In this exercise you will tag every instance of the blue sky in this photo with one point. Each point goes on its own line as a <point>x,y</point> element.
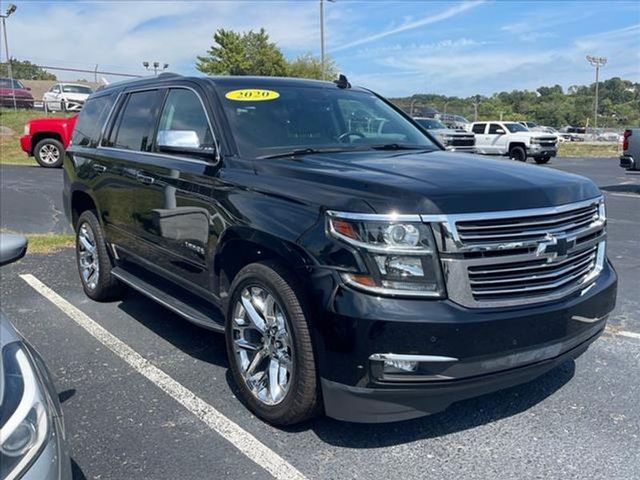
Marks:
<point>396,48</point>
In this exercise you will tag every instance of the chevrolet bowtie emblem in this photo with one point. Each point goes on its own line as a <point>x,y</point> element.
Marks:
<point>555,247</point>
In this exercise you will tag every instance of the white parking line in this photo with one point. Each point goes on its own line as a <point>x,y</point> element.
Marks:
<point>629,334</point>
<point>240,438</point>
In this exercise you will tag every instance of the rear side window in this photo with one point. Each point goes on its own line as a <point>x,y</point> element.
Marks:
<point>478,128</point>
<point>135,123</point>
<point>493,128</point>
<point>183,112</point>
<point>89,124</point>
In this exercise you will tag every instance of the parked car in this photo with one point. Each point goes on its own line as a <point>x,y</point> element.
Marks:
<point>532,126</point>
<point>559,135</point>
<point>32,435</point>
<point>514,140</point>
<point>453,140</point>
<point>363,272</point>
<point>66,97</point>
<point>455,122</point>
<point>46,139</point>
<point>14,88</point>
<point>630,158</point>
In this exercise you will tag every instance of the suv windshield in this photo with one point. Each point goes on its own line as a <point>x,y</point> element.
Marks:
<point>77,89</point>
<point>291,118</point>
<point>430,123</point>
<point>516,127</point>
<point>6,83</point>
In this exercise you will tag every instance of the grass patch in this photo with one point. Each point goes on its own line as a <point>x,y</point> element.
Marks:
<point>587,149</point>
<point>10,151</point>
<point>48,242</point>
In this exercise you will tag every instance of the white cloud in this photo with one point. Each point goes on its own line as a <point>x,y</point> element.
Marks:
<point>410,25</point>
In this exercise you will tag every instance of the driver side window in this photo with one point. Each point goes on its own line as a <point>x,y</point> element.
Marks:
<point>183,114</point>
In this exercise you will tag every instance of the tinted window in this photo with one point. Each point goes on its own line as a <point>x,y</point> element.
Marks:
<point>430,123</point>
<point>515,127</point>
<point>478,128</point>
<point>7,83</point>
<point>136,122</point>
<point>494,127</point>
<point>90,121</point>
<point>293,118</point>
<point>183,111</point>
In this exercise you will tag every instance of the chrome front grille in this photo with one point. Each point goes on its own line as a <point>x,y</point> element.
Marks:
<point>521,257</point>
<point>462,141</point>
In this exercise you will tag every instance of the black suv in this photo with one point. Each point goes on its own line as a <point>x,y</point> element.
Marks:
<point>354,266</point>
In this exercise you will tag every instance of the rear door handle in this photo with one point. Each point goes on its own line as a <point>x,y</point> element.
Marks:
<point>146,179</point>
<point>99,168</point>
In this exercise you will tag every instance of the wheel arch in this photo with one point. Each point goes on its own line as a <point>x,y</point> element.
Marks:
<point>38,137</point>
<point>241,246</point>
<point>81,201</point>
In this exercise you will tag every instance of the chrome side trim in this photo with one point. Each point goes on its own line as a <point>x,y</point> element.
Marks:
<point>375,217</point>
<point>410,358</point>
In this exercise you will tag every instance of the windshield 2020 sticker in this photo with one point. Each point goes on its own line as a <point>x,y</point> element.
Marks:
<point>251,95</point>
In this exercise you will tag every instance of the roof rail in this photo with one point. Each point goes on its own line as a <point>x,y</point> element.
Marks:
<point>169,74</point>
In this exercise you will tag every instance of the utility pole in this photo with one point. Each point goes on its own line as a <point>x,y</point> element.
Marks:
<point>476,100</point>
<point>322,36</point>
<point>155,66</point>
<point>10,9</point>
<point>596,62</point>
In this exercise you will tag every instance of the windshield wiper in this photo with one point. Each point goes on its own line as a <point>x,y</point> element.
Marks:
<point>307,151</point>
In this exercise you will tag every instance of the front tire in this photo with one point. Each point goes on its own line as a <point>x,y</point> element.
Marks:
<point>518,153</point>
<point>49,153</point>
<point>94,263</point>
<point>269,345</point>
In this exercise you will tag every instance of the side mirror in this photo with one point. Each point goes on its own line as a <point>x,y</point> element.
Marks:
<point>183,141</point>
<point>12,248</point>
<point>28,88</point>
<point>500,131</point>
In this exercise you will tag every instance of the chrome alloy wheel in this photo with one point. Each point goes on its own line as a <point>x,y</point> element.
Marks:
<point>262,345</point>
<point>49,154</point>
<point>88,256</point>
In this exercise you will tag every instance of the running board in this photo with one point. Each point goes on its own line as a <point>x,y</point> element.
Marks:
<point>196,311</point>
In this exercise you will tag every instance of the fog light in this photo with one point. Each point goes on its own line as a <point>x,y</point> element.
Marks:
<point>398,366</point>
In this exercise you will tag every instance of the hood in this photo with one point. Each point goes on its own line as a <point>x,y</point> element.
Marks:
<point>52,122</point>
<point>435,182</point>
<point>80,97</point>
<point>19,92</point>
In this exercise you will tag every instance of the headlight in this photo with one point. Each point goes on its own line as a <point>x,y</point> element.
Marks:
<point>23,417</point>
<point>400,255</point>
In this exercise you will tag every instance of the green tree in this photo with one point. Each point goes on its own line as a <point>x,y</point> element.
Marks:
<point>310,66</point>
<point>25,70</point>
<point>247,53</point>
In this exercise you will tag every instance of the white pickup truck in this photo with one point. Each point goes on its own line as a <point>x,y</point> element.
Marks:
<point>514,140</point>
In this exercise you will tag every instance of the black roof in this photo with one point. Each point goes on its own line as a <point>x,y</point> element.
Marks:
<point>227,81</point>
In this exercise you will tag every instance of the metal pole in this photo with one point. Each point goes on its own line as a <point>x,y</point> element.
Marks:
<point>595,113</point>
<point>10,71</point>
<point>322,38</point>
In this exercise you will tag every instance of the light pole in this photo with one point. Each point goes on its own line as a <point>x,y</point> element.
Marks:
<point>155,66</point>
<point>596,62</point>
<point>10,9</point>
<point>322,36</point>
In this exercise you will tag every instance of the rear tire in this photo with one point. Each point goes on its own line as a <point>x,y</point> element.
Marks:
<point>542,160</point>
<point>518,153</point>
<point>271,360</point>
<point>49,153</point>
<point>93,260</point>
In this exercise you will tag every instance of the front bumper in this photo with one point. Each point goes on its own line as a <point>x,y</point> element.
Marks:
<point>628,163</point>
<point>490,349</point>
<point>541,151</point>
<point>25,144</point>
<point>21,102</point>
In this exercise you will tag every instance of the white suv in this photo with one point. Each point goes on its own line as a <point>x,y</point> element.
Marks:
<point>514,140</point>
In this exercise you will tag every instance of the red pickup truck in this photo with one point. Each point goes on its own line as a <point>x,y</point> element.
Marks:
<point>47,138</point>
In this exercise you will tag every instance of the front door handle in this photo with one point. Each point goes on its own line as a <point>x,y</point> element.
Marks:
<point>99,168</point>
<point>146,179</point>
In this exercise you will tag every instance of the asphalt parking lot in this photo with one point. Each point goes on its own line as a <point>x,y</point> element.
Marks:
<point>127,421</point>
